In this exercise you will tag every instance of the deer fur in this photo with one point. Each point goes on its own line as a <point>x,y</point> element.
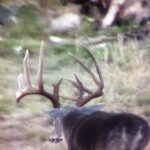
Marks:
<point>89,129</point>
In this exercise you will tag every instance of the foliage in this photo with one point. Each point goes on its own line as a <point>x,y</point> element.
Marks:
<point>129,24</point>
<point>29,23</point>
<point>86,29</point>
<point>143,100</point>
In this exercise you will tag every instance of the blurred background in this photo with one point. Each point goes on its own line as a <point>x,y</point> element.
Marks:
<point>122,51</point>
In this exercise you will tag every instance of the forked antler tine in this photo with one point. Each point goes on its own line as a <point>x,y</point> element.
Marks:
<point>40,68</point>
<point>89,71</point>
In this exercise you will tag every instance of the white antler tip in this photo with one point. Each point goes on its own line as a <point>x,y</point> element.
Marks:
<point>26,57</point>
<point>20,84</point>
<point>27,53</point>
<point>42,43</point>
<point>18,94</point>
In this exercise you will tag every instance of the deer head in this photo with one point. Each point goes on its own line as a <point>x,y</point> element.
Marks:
<point>59,114</point>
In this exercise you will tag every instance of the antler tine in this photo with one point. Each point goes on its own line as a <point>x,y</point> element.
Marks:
<point>26,74</point>
<point>89,71</point>
<point>85,89</point>
<point>73,83</point>
<point>101,82</point>
<point>77,86</point>
<point>40,68</point>
<point>25,86</point>
<point>80,87</point>
<point>56,89</point>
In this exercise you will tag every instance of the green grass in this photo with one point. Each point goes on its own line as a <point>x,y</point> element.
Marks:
<point>86,29</point>
<point>29,24</point>
<point>36,132</point>
<point>143,100</point>
<point>127,25</point>
<point>7,105</point>
<point>14,47</point>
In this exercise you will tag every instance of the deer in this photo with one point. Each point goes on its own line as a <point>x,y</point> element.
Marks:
<point>85,127</point>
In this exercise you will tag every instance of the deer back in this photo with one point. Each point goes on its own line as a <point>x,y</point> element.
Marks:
<point>108,131</point>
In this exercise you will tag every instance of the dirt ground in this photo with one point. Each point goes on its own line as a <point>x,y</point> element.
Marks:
<point>18,132</point>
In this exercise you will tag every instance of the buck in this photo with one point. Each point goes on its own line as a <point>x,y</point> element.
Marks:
<point>86,127</point>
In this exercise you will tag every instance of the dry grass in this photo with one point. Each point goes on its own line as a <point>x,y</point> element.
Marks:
<point>127,77</point>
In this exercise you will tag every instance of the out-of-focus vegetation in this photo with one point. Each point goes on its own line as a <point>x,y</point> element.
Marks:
<point>124,65</point>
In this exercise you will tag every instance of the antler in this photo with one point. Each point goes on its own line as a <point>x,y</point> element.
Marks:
<point>85,94</point>
<point>26,88</point>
